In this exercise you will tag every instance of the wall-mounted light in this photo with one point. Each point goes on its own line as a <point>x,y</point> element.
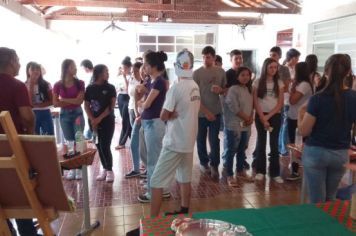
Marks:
<point>102,9</point>
<point>238,14</point>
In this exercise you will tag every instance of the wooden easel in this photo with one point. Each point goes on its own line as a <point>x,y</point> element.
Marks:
<point>28,168</point>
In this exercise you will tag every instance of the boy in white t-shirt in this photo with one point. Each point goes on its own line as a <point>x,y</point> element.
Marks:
<point>180,110</point>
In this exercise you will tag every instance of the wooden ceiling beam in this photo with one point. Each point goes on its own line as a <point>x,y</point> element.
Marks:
<point>151,20</point>
<point>158,7</point>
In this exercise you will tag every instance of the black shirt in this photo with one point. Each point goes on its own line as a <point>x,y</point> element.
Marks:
<point>231,78</point>
<point>99,97</point>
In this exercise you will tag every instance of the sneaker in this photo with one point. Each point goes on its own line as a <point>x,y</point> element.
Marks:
<point>118,147</point>
<point>132,174</point>
<point>259,177</point>
<point>110,176</point>
<point>144,198</point>
<point>204,169</point>
<point>143,175</point>
<point>70,175</point>
<point>224,173</point>
<point>78,174</point>
<point>102,175</point>
<point>243,176</point>
<point>294,176</point>
<point>166,195</point>
<point>231,181</point>
<point>214,172</point>
<point>246,165</point>
<point>278,180</point>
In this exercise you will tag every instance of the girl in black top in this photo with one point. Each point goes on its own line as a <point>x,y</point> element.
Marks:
<point>100,98</point>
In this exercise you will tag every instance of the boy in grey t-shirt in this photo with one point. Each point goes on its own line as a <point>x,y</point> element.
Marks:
<point>211,81</point>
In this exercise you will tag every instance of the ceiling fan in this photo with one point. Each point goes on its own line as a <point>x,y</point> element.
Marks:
<point>112,25</point>
<point>242,30</point>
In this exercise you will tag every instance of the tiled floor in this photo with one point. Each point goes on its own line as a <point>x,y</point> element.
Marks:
<point>117,208</point>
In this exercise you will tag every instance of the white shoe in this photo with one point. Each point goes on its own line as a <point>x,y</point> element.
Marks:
<point>70,175</point>
<point>110,176</point>
<point>102,175</point>
<point>259,177</point>
<point>278,179</point>
<point>78,174</point>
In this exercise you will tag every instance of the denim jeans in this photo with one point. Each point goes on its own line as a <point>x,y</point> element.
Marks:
<point>283,134</point>
<point>44,122</point>
<point>275,122</point>
<point>135,146</point>
<point>154,130</point>
<point>67,119</point>
<point>231,142</point>
<point>323,170</point>
<point>213,126</point>
<point>241,150</point>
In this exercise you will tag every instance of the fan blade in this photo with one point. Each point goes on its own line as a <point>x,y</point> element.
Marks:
<point>106,28</point>
<point>119,28</point>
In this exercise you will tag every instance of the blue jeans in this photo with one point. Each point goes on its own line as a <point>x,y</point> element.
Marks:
<point>135,146</point>
<point>67,119</point>
<point>283,134</point>
<point>231,141</point>
<point>241,150</point>
<point>153,131</point>
<point>213,126</point>
<point>44,122</point>
<point>323,170</point>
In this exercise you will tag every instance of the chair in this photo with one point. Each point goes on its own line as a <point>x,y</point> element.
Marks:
<point>30,178</point>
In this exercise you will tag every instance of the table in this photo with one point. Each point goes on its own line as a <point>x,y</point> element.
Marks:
<point>295,153</point>
<point>83,160</point>
<point>331,218</point>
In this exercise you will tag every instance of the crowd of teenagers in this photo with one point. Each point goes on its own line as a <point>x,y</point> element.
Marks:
<point>164,121</point>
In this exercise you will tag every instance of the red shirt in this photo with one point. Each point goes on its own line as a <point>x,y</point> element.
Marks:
<point>13,95</point>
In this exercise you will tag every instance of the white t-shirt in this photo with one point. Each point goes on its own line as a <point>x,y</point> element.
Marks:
<point>121,85</point>
<point>37,97</point>
<point>269,101</point>
<point>305,89</point>
<point>131,89</point>
<point>181,132</point>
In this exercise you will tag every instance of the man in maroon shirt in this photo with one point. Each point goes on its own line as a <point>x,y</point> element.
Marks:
<point>14,98</point>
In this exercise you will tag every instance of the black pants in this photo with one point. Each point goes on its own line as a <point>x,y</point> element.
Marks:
<point>123,102</point>
<point>292,126</point>
<point>25,227</point>
<point>105,133</point>
<point>275,122</point>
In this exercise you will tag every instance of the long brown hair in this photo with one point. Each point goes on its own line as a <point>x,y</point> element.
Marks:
<point>337,67</point>
<point>262,85</point>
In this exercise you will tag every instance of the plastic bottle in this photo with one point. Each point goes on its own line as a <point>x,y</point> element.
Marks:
<point>298,139</point>
<point>79,137</point>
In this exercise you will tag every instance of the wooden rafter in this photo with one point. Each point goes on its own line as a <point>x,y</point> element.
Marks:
<point>194,11</point>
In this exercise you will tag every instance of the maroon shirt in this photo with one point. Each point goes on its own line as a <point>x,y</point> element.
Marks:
<point>13,95</point>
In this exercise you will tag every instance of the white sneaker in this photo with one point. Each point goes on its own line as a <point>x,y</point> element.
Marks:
<point>102,175</point>
<point>70,175</point>
<point>110,176</point>
<point>259,177</point>
<point>78,174</point>
<point>278,179</point>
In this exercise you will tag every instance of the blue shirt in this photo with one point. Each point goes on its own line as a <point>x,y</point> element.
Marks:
<point>329,131</point>
<point>154,110</point>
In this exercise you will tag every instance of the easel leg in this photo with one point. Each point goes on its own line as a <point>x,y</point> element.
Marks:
<point>4,227</point>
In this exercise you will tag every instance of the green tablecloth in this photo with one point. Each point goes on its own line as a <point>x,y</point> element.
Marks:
<point>282,220</point>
